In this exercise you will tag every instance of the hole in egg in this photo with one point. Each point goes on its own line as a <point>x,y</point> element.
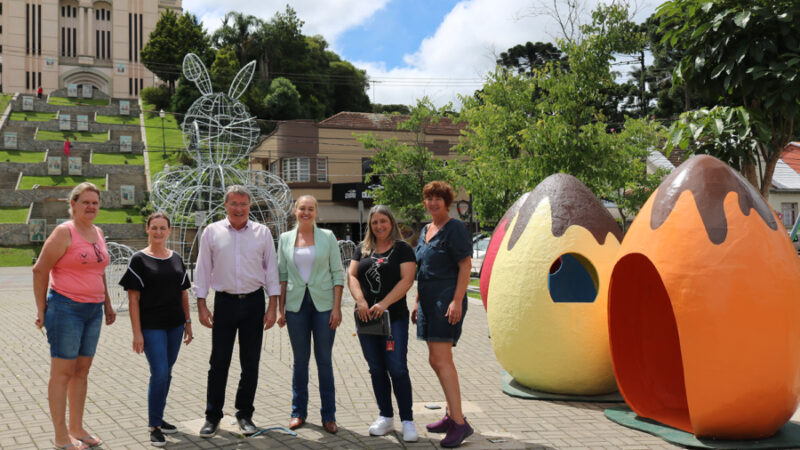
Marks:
<point>572,279</point>
<point>645,346</point>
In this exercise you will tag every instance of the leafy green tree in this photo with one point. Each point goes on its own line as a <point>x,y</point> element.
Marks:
<point>730,133</point>
<point>499,162</point>
<point>349,87</point>
<point>225,67</point>
<point>741,54</point>
<point>172,38</point>
<point>283,100</point>
<point>325,82</point>
<point>159,55</point>
<point>378,108</point>
<point>524,58</point>
<point>242,33</point>
<point>521,129</point>
<point>404,169</point>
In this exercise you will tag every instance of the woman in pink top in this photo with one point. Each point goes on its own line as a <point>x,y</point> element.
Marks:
<point>72,263</point>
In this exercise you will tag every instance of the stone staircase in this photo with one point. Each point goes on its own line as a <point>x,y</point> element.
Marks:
<point>50,203</point>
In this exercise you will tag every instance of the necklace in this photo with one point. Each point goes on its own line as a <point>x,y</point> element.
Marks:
<point>381,259</point>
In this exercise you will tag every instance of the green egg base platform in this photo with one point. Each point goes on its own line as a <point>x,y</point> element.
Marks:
<point>787,436</point>
<point>514,389</point>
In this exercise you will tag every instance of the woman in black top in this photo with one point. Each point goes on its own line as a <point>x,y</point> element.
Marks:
<point>156,281</point>
<point>380,274</point>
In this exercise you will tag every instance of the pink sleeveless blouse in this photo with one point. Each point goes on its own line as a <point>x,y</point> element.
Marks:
<point>78,274</point>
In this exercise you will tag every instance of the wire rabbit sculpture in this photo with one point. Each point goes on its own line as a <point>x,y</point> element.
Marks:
<point>218,133</point>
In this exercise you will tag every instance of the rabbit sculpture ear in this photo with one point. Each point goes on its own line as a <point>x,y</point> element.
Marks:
<point>195,70</point>
<point>242,80</point>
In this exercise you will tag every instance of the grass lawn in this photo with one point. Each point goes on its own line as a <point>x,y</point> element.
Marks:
<point>18,256</point>
<point>13,214</point>
<point>173,139</point>
<point>474,282</point>
<point>32,116</point>
<point>60,180</point>
<point>4,100</point>
<point>67,101</point>
<point>119,215</point>
<point>75,136</point>
<point>117,158</point>
<point>119,120</point>
<point>20,156</point>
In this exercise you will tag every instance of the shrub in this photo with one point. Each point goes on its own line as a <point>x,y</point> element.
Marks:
<point>158,96</point>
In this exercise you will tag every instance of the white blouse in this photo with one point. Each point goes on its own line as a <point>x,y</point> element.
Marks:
<point>304,261</point>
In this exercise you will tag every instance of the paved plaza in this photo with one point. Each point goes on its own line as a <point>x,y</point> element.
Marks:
<point>116,407</point>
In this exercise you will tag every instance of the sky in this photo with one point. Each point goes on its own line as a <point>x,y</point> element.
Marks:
<point>414,48</point>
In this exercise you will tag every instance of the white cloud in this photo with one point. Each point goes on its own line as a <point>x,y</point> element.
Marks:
<point>453,60</point>
<point>463,50</point>
<point>329,18</point>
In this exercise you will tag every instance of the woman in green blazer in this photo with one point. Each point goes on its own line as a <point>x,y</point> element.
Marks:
<point>312,279</point>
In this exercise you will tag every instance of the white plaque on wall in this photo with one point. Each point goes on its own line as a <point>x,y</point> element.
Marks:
<point>54,165</point>
<point>83,123</point>
<point>127,194</point>
<point>37,229</point>
<point>64,121</point>
<point>10,139</point>
<point>27,103</point>
<point>72,90</point>
<point>124,107</point>
<point>125,144</point>
<point>75,165</point>
<point>87,91</point>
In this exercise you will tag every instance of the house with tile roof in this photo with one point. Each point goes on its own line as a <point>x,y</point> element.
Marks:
<point>326,160</point>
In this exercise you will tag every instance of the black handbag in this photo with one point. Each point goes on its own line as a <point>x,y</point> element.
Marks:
<point>375,327</point>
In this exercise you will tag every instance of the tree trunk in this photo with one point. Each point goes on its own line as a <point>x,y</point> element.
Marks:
<point>769,171</point>
<point>749,172</point>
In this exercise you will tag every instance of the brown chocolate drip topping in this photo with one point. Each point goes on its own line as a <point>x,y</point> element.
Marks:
<point>571,203</point>
<point>709,180</point>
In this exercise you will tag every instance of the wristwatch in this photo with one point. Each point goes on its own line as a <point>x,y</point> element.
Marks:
<point>188,320</point>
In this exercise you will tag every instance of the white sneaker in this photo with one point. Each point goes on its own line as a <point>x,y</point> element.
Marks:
<point>381,426</point>
<point>410,431</point>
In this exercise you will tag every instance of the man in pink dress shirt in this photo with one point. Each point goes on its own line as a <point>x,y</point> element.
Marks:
<point>237,260</point>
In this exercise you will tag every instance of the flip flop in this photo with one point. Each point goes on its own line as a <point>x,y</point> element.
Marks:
<point>88,437</point>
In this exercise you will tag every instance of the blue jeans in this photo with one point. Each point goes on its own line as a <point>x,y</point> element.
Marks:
<point>161,348</point>
<point>384,364</point>
<point>302,325</point>
<point>73,328</point>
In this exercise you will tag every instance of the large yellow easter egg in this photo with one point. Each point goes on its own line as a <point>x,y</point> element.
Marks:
<point>547,289</point>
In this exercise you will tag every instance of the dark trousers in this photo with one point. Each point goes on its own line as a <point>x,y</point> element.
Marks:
<point>384,364</point>
<point>232,315</point>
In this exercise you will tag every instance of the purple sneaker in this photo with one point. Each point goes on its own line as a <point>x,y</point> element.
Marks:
<point>440,426</point>
<point>456,434</point>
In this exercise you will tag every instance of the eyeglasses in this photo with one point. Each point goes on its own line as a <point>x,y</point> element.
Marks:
<point>97,252</point>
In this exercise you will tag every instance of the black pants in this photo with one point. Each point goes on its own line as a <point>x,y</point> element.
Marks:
<point>232,315</point>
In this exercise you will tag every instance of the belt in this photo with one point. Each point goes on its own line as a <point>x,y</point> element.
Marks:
<point>240,296</point>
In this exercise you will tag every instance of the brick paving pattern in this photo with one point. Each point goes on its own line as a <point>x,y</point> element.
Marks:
<point>116,406</point>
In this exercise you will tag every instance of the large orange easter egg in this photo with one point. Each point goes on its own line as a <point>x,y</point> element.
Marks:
<point>704,305</point>
<point>545,276</point>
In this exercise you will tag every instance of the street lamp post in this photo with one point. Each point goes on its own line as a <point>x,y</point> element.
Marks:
<point>163,139</point>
